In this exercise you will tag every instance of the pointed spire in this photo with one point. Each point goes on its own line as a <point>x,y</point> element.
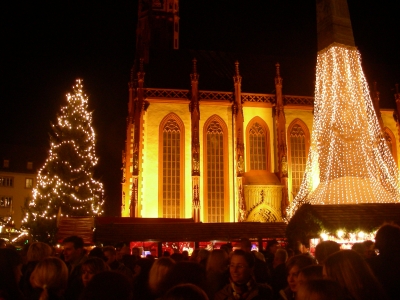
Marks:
<point>278,78</point>
<point>194,76</point>
<point>237,68</point>
<point>194,65</point>
<point>333,23</point>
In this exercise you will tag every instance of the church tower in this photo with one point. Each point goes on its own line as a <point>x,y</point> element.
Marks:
<point>158,27</point>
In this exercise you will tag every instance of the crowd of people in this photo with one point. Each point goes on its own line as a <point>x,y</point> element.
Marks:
<point>368,271</point>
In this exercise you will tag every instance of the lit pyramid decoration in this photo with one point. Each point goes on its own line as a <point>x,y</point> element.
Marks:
<point>349,160</point>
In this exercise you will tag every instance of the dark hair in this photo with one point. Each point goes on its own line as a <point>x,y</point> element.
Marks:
<point>312,272</point>
<point>300,260</point>
<point>324,249</point>
<point>76,240</point>
<point>271,243</point>
<point>354,275</point>
<point>108,285</point>
<point>185,291</point>
<point>387,239</point>
<point>96,264</point>
<point>248,256</point>
<point>323,289</point>
<point>9,261</point>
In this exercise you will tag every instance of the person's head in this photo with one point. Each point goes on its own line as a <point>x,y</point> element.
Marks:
<point>91,267</point>
<point>50,275</point>
<point>324,249</point>
<point>320,289</point>
<point>360,248</point>
<point>280,257</point>
<point>110,253</point>
<point>124,250</point>
<point>353,274</point>
<point>293,267</point>
<point>202,256</point>
<point>308,273</point>
<point>73,249</point>
<point>227,248</point>
<point>3,243</point>
<point>38,251</point>
<point>185,291</point>
<point>158,271</point>
<point>245,244</point>
<point>10,268</point>
<point>136,251</point>
<point>97,252</point>
<point>108,285</point>
<point>185,272</point>
<point>241,266</point>
<point>217,261</point>
<point>272,246</point>
<point>387,239</point>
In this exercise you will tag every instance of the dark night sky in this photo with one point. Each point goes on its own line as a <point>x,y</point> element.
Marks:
<point>48,44</point>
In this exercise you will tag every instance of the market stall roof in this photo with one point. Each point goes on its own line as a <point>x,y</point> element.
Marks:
<point>122,230</point>
<point>363,216</point>
<point>310,220</point>
<point>80,226</point>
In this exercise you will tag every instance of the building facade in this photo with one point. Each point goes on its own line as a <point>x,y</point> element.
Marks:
<point>214,155</point>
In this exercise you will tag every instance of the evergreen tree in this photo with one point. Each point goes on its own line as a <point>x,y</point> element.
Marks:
<point>65,183</point>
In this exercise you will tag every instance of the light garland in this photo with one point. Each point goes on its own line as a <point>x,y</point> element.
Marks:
<point>349,160</point>
<point>66,179</point>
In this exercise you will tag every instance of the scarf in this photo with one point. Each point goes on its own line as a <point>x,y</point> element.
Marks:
<point>241,291</point>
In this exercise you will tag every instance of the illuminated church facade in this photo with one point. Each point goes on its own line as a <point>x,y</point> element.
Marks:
<point>194,150</point>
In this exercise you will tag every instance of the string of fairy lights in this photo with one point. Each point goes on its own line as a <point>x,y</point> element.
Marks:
<point>66,178</point>
<point>349,160</point>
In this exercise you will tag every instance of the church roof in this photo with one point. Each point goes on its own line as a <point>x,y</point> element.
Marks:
<point>171,69</point>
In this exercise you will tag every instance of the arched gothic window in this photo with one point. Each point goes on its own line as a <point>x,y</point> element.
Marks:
<point>257,145</point>
<point>171,163</point>
<point>216,208</point>
<point>299,146</point>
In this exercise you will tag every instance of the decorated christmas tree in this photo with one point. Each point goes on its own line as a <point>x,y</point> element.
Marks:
<point>65,184</point>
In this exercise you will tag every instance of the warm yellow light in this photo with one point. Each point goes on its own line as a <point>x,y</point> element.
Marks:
<point>349,160</point>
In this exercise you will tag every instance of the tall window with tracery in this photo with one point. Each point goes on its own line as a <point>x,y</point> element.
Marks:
<point>257,147</point>
<point>171,185</point>
<point>298,156</point>
<point>215,172</point>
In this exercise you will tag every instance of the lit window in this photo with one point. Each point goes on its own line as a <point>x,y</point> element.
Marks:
<point>171,176</point>
<point>28,183</point>
<point>6,163</point>
<point>5,201</point>
<point>257,145</point>
<point>7,181</point>
<point>215,172</point>
<point>298,156</point>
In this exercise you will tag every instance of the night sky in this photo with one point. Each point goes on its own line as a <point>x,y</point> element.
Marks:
<point>47,45</point>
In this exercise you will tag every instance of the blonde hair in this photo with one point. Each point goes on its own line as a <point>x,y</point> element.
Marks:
<point>158,271</point>
<point>51,275</point>
<point>38,251</point>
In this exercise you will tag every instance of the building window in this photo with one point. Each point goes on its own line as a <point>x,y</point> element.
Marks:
<point>29,165</point>
<point>6,163</point>
<point>5,201</point>
<point>7,181</point>
<point>257,139</point>
<point>28,183</point>
<point>215,166</point>
<point>171,162</point>
<point>298,156</point>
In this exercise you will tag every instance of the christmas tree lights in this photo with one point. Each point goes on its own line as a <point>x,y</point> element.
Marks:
<point>65,183</point>
<point>349,160</point>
